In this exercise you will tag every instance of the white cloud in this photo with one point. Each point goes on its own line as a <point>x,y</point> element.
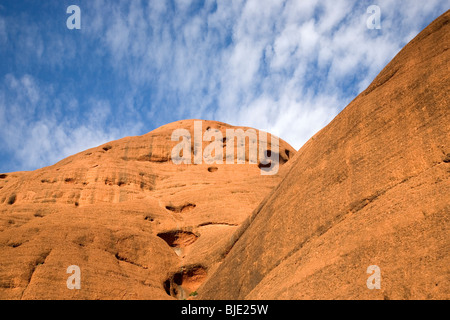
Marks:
<point>32,127</point>
<point>274,65</point>
<point>286,67</point>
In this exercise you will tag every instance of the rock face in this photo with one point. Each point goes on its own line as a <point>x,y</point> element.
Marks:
<point>371,188</point>
<point>137,225</point>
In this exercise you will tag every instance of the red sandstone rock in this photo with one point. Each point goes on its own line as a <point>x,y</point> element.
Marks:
<point>137,225</point>
<point>371,188</point>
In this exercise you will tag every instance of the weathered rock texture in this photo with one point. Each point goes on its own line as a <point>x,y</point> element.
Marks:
<point>137,225</point>
<point>371,188</point>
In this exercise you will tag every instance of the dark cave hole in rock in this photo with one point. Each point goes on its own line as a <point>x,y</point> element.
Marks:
<point>178,238</point>
<point>182,208</point>
<point>181,284</point>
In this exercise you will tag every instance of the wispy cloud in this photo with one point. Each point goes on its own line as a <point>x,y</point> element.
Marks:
<point>287,67</point>
<point>38,130</point>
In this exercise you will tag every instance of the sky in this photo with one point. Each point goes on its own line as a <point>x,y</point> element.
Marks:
<point>286,67</point>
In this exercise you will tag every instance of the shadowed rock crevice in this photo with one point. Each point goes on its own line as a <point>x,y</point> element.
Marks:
<point>153,158</point>
<point>181,284</point>
<point>12,199</point>
<point>182,208</point>
<point>178,238</point>
<point>125,259</point>
<point>15,244</point>
<point>40,260</point>
<point>217,224</point>
<point>447,158</point>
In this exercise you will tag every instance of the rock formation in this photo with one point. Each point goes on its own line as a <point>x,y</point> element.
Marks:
<point>137,225</point>
<point>371,188</point>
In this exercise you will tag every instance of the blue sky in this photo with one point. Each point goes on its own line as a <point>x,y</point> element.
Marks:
<point>287,67</point>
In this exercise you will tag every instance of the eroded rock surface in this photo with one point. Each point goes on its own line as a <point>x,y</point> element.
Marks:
<point>137,225</point>
<point>371,188</point>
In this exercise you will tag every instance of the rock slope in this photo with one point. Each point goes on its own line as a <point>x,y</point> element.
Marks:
<point>137,225</point>
<point>371,188</point>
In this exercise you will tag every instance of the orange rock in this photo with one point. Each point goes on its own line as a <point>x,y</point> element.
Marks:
<point>137,225</point>
<point>371,188</point>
